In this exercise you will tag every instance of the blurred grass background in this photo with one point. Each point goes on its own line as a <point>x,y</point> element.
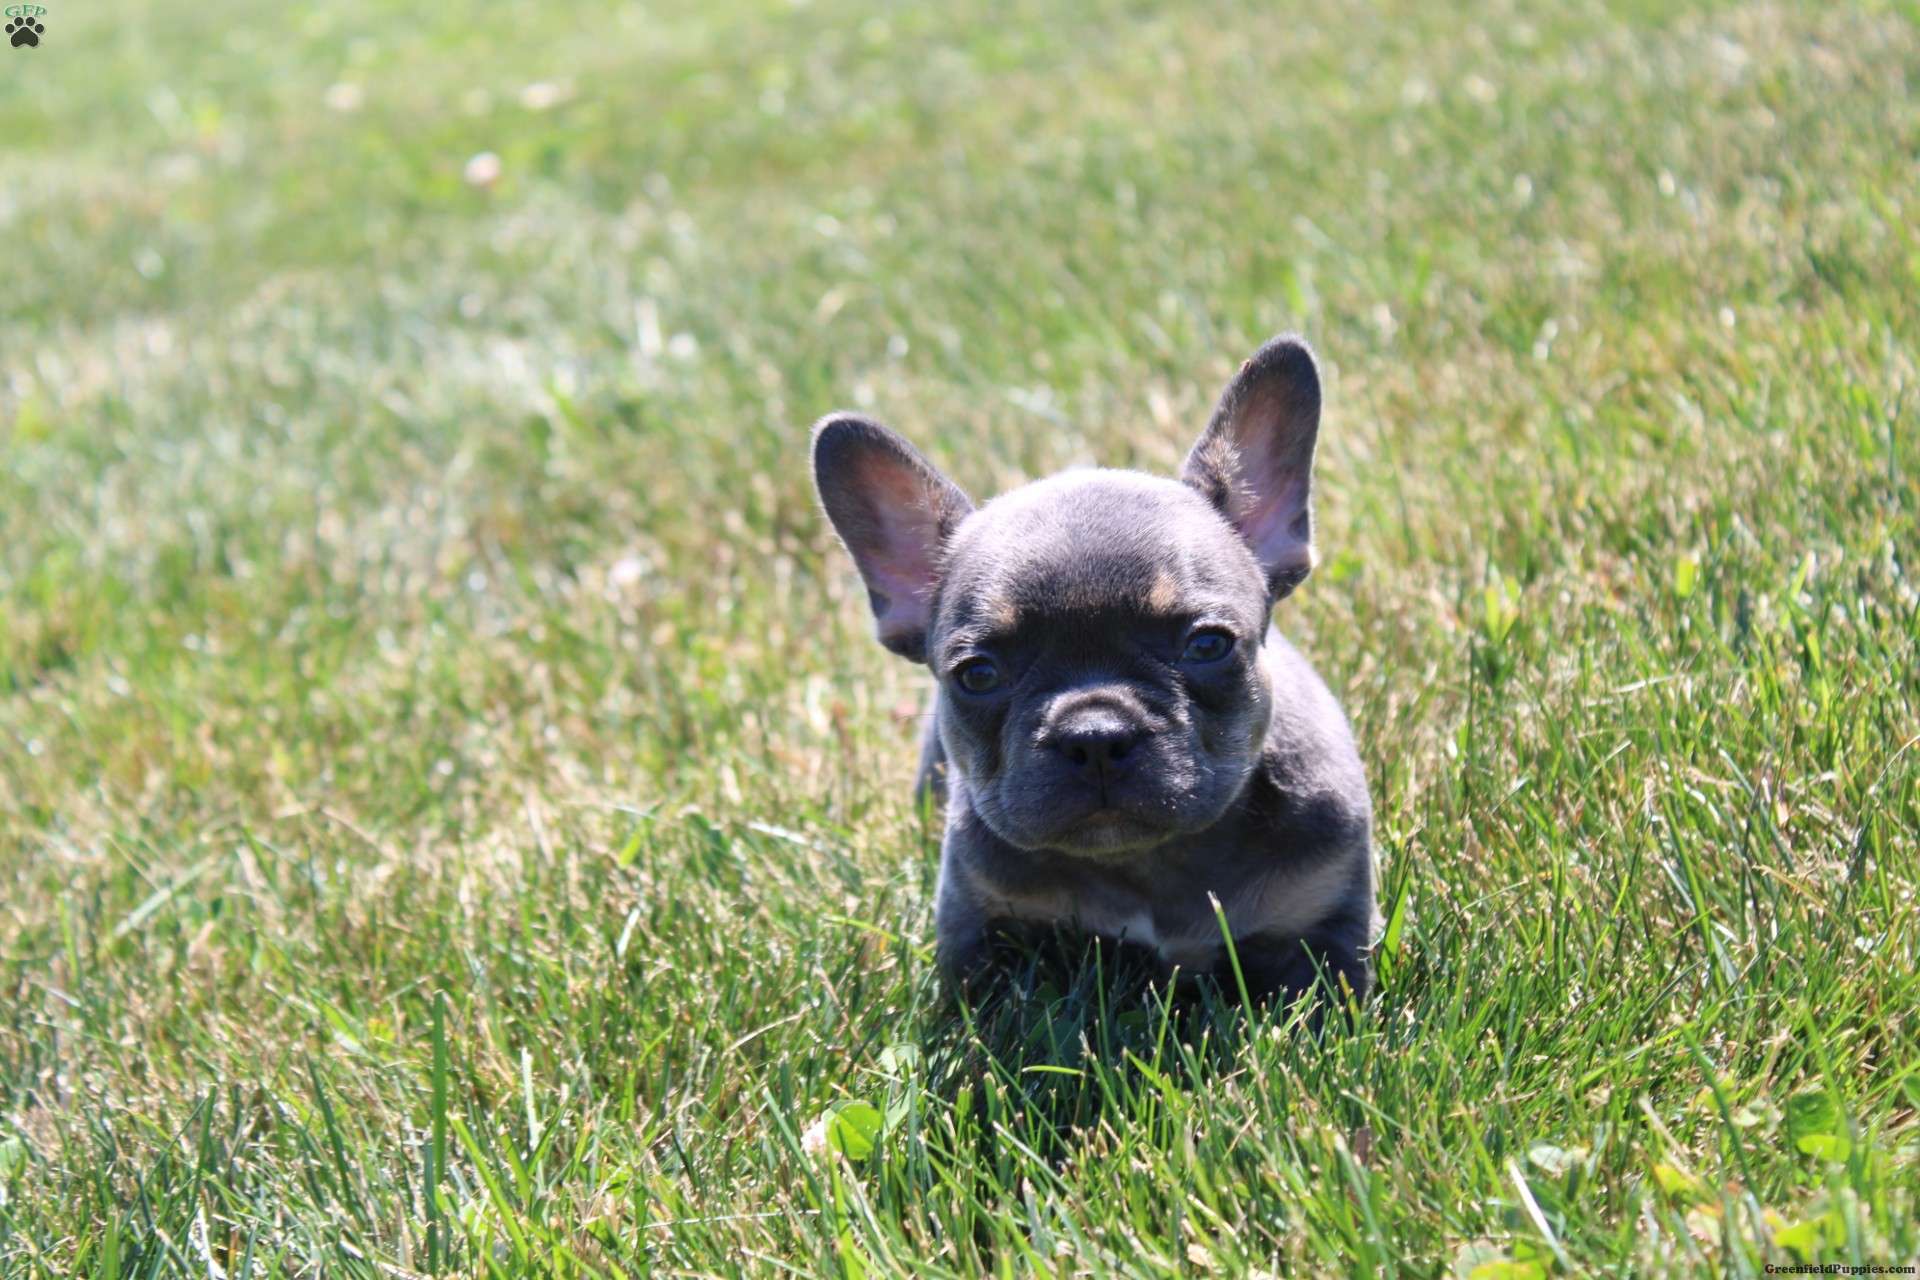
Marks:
<point>452,814</point>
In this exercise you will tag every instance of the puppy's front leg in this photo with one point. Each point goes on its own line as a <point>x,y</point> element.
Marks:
<point>959,932</point>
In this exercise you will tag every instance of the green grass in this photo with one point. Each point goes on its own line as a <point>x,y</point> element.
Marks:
<point>452,813</point>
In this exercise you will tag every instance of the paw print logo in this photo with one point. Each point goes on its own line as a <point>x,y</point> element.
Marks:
<point>23,25</point>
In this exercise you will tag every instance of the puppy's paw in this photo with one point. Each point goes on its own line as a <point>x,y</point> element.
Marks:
<point>1286,972</point>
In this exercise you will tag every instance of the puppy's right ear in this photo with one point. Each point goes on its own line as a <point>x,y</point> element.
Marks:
<point>895,512</point>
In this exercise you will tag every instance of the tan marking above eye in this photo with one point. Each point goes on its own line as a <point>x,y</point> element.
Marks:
<point>999,612</point>
<point>1164,595</point>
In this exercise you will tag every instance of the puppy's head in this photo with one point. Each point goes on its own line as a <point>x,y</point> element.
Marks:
<point>1097,634</point>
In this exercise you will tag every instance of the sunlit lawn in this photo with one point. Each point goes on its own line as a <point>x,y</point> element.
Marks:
<point>452,813</point>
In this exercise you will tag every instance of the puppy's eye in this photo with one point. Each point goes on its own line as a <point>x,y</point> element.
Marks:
<point>978,675</point>
<point>1209,644</point>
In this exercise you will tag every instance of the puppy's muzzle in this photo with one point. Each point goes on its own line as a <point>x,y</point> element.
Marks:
<point>1094,740</point>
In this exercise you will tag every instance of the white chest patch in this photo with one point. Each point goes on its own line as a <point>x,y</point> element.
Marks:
<point>1130,922</point>
<point>1136,928</point>
<point>1288,902</point>
<point>1196,952</point>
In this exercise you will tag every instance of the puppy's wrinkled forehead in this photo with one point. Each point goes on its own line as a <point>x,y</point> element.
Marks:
<point>1096,542</point>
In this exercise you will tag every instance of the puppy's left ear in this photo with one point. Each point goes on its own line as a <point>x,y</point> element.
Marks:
<point>1254,462</point>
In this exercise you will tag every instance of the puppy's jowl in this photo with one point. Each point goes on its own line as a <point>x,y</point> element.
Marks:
<point>1122,734</point>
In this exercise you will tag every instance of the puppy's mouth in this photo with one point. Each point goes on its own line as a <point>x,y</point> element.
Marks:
<point>1107,829</point>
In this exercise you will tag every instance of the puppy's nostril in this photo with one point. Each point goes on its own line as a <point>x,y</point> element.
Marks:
<point>1093,753</point>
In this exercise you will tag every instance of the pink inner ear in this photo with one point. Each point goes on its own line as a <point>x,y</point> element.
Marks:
<point>1271,528</point>
<point>1271,517</point>
<point>904,557</point>
<point>905,578</point>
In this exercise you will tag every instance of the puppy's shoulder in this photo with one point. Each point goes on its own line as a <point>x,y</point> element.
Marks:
<point>1310,764</point>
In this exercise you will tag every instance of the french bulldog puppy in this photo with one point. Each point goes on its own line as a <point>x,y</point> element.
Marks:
<point>1124,738</point>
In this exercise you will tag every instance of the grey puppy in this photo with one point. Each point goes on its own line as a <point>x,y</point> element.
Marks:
<point>1124,737</point>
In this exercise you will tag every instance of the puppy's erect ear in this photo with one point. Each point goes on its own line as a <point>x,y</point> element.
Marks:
<point>894,512</point>
<point>1254,461</point>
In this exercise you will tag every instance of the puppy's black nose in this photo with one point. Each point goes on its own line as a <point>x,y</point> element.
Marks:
<point>1094,741</point>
